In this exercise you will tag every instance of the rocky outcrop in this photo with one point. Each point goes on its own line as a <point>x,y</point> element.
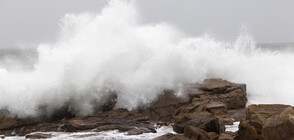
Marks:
<point>202,110</point>
<point>267,122</point>
<point>205,122</point>
<point>212,104</point>
<point>215,96</point>
<point>257,114</point>
<point>132,122</point>
<point>166,105</point>
<point>279,126</point>
<point>247,132</point>
<point>9,123</point>
<point>196,133</point>
<point>231,94</point>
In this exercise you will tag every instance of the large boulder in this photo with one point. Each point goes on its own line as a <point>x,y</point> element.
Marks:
<point>166,105</point>
<point>279,126</point>
<point>216,108</point>
<point>260,119</point>
<point>208,123</point>
<point>247,132</point>
<point>232,94</point>
<point>216,96</point>
<point>258,114</point>
<point>195,133</point>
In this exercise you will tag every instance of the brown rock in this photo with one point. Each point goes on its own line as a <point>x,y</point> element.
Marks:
<point>166,105</point>
<point>235,99</point>
<point>108,127</point>
<point>243,125</point>
<point>192,108</point>
<point>207,123</point>
<point>257,114</point>
<point>171,136</point>
<point>213,135</point>
<point>225,119</point>
<point>8,123</point>
<point>248,134</point>
<point>231,94</point>
<point>80,124</point>
<point>265,110</point>
<point>279,126</point>
<point>237,114</point>
<point>216,108</point>
<point>288,111</point>
<point>119,118</point>
<point>195,133</point>
<point>212,97</point>
<point>256,118</point>
<point>224,136</point>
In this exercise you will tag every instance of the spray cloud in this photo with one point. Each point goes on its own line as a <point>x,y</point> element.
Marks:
<point>96,54</point>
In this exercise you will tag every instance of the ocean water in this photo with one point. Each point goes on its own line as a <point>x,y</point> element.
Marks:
<point>113,134</point>
<point>104,135</point>
<point>111,50</point>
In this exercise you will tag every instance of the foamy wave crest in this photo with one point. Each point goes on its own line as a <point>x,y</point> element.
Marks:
<point>111,51</point>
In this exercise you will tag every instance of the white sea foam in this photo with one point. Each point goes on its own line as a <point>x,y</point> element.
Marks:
<point>112,50</point>
<point>105,135</point>
<point>232,128</point>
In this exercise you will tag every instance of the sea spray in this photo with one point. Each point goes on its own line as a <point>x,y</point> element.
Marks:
<point>97,54</point>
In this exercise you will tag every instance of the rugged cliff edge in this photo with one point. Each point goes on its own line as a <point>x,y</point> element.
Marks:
<point>200,115</point>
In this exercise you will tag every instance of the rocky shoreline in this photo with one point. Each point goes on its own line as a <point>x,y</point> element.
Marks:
<point>200,115</point>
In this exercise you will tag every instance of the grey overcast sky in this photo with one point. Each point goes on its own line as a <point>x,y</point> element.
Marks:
<point>269,21</point>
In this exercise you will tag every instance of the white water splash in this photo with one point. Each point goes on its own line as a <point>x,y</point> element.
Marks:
<point>105,135</point>
<point>232,128</point>
<point>97,53</point>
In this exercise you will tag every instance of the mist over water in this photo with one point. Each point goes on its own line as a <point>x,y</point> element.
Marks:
<point>98,53</point>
